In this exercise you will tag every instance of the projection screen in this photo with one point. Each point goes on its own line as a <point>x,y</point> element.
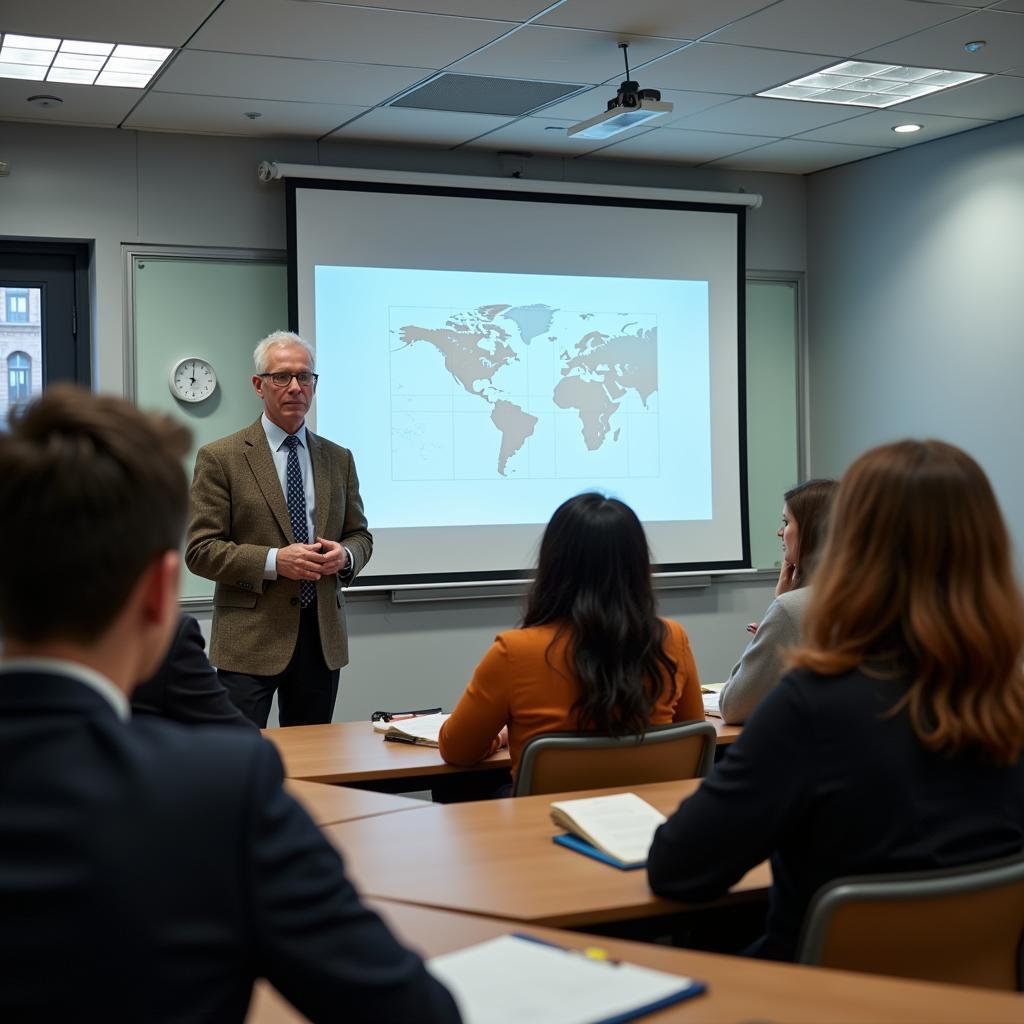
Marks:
<point>488,353</point>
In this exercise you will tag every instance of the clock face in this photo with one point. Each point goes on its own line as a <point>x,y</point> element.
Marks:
<point>193,380</point>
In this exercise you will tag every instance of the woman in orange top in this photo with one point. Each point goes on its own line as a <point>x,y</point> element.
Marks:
<point>592,655</point>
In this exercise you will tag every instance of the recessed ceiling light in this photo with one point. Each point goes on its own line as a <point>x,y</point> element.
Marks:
<point>554,128</point>
<point>79,61</point>
<point>44,101</point>
<point>975,45</point>
<point>904,129</point>
<point>858,83</point>
<point>252,114</point>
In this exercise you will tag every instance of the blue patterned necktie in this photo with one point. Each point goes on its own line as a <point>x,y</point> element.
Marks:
<point>296,496</point>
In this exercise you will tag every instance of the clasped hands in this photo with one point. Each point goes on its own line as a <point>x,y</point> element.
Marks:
<point>311,561</point>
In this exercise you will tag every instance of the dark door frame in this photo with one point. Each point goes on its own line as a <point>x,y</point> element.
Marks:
<point>76,363</point>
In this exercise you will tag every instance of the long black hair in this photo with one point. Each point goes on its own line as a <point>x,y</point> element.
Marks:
<point>594,583</point>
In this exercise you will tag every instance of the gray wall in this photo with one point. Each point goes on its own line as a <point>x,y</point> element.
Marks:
<point>115,187</point>
<point>916,304</point>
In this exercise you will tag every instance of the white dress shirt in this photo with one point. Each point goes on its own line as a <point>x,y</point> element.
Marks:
<point>276,438</point>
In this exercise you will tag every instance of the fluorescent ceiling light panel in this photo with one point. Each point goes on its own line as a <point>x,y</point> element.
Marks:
<point>79,61</point>
<point>859,83</point>
<point>619,119</point>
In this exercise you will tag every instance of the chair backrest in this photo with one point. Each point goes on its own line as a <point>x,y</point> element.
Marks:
<point>963,925</point>
<point>561,762</point>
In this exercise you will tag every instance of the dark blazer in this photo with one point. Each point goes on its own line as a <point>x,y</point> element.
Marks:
<point>828,784</point>
<point>238,513</point>
<point>186,688</point>
<point>150,872</point>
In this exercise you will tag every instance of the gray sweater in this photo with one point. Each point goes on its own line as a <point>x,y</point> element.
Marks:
<point>760,666</point>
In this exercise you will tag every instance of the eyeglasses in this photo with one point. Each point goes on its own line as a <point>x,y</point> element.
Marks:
<point>281,380</point>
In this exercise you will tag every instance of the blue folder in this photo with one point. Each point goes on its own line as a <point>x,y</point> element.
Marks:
<point>582,846</point>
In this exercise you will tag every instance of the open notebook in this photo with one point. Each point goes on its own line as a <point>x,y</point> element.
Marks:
<point>422,730</point>
<point>615,829</point>
<point>517,978</point>
<point>710,695</point>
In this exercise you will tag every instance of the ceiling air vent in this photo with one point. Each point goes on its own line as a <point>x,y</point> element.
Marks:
<point>473,94</point>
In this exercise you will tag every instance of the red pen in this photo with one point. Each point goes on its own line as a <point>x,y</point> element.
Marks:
<point>751,627</point>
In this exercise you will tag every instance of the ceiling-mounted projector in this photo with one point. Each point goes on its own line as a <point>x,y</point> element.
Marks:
<point>630,106</point>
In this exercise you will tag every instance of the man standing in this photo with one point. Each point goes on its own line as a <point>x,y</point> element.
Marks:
<point>278,524</point>
<point>148,872</point>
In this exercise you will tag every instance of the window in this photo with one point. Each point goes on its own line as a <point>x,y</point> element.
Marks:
<point>17,305</point>
<point>19,376</point>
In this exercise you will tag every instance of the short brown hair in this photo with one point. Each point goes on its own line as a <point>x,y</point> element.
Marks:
<point>91,492</point>
<point>809,503</point>
<point>916,581</point>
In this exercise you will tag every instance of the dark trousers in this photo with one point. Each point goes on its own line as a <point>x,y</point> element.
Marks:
<point>306,689</point>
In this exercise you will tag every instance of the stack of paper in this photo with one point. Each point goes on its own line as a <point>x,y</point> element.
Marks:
<point>615,829</point>
<point>516,978</point>
<point>422,730</point>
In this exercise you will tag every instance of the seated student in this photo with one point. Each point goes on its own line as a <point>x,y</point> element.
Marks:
<point>895,743</point>
<point>148,872</point>
<point>186,688</point>
<point>804,521</point>
<point>592,654</point>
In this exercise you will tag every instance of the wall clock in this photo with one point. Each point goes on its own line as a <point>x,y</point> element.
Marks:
<point>193,379</point>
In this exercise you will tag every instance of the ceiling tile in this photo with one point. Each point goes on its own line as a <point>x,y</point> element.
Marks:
<point>112,21</point>
<point>419,127</point>
<point>83,104</point>
<point>740,70</point>
<point>330,32</point>
<point>839,27</point>
<point>537,135</point>
<point>688,20</point>
<point>793,156</point>
<point>1011,5</point>
<point>994,98</point>
<point>875,129</point>
<point>203,72</point>
<point>942,46</point>
<point>223,115</point>
<point>562,55</point>
<point>590,103</point>
<point>682,146</point>
<point>754,115</point>
<point>501,10</point>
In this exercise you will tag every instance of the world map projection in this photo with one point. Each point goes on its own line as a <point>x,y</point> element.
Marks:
<point>527,366</point>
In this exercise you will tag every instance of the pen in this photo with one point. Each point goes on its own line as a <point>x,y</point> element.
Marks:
<point>589,952</point>
<point>751,627</point>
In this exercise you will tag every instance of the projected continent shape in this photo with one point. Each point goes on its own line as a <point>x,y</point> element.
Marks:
<point>527,365</point>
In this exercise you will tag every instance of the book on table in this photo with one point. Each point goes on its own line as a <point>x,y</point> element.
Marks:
<point>423,730</point>
<point>616,829</point>
<point>518,978</point>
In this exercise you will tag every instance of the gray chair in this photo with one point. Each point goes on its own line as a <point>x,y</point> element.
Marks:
<point>560,762</point>
<point>962,925</point>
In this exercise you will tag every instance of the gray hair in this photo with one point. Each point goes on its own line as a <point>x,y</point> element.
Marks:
<point>261,355</point>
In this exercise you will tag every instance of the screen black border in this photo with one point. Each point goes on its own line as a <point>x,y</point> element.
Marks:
<point>466,192</point>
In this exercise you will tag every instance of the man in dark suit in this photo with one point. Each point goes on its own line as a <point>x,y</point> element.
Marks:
<point>185,687</point>
<point>148,872</point>
<point>277,522</point>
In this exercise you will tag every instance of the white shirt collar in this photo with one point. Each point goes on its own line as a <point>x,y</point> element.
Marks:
<point>276,436</point>
<point>59,667</point>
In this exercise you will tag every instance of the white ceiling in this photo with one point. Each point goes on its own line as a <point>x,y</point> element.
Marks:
<point>320,69</point>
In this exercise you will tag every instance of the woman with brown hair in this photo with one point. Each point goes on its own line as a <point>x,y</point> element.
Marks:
<point>895,743</point>
<point>805,511</point>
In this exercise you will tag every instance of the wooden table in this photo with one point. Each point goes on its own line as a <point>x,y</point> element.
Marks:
<point>352,754</point>
<point>738,989</point>
<point>497,858</point>
<point>327,805</point>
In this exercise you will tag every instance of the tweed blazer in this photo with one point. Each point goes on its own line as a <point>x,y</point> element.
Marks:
<point>238,512</point>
